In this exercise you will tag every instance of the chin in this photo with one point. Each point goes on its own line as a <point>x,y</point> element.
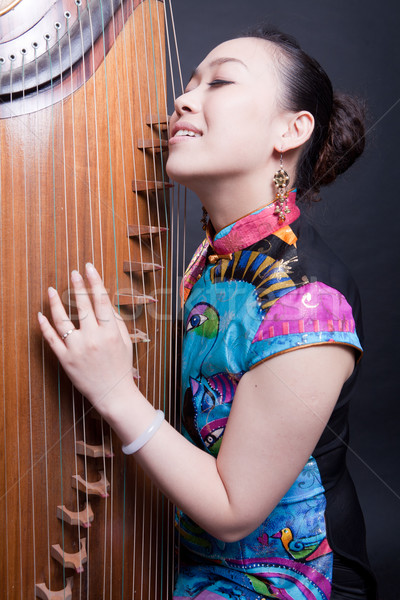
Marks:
<point>178,175</point>
<point>170,171</point>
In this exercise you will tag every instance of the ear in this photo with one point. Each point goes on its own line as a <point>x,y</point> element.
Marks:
<point>298,132</point>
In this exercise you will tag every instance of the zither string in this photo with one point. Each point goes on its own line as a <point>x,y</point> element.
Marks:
<point>178,220</point>
<point>146,392</point>
<point>28,325</point>
<point>119,127</point>
<point>56,160</point>
<point>136,354</point>
<point>67,16</point>
<point>90,200</point>
<point>164,382</point>
<point>152,335</point>
<point>17,398</point>
<point>94,258</point>
<point>104,66</point>
<point>43,363</point>
<point>156,385</point>
<point>2,279</point>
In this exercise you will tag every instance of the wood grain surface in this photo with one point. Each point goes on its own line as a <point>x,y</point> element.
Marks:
<point>67,172</point>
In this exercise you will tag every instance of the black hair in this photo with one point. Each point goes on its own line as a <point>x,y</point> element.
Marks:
<point>338,138</point>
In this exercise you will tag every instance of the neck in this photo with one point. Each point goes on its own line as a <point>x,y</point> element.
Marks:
<point>226,201</point>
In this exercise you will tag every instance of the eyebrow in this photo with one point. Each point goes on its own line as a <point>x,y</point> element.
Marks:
<point>220,61</point>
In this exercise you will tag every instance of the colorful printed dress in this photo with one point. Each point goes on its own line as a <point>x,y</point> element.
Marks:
<point>256,290</point>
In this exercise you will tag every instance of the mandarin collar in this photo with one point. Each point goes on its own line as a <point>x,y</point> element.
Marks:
<point>251,228</point>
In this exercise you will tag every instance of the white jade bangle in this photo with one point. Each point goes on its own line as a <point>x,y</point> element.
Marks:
<point>146,435</point>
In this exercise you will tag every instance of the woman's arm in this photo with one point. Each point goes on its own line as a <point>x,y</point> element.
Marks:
<point>279,412</point>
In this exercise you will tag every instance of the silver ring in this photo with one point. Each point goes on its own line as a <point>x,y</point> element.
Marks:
<point>67,333</point>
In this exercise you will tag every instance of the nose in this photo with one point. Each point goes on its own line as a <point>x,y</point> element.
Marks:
<point>188,102</point>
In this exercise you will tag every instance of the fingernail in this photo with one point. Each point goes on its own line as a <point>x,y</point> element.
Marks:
<point>75,276</point>
<point>90,268</point>
<point>52,292</point>
<point>40,317</point>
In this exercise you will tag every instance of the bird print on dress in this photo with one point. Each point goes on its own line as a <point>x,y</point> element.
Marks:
<point>304,548</point>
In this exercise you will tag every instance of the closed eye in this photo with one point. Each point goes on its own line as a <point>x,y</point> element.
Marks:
<point>216,82</point>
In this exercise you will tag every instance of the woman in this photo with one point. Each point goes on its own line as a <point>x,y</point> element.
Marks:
<point>266,506</point>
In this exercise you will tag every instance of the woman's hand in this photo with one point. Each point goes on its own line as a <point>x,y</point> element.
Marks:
<point>97,356</point>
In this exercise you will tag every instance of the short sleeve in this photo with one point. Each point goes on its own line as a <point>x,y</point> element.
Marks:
<point>310,315</point>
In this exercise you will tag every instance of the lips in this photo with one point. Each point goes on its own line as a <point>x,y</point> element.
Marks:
<point>182,130</point>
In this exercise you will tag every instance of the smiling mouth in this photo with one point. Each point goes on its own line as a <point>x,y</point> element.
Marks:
<point>186,133</point>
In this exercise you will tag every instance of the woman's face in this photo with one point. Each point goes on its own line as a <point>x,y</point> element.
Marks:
<point>228,120</point>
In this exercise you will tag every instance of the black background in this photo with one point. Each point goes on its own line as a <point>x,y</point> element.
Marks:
<point>357,42</point>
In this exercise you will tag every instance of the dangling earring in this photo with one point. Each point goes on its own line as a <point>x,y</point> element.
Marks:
<point>281,180</point>
<point>204,219</point>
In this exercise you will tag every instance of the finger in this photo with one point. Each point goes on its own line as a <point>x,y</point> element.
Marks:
<point>86,315</point>
<point>60,318</point>
<point>103,308</point>
<point>122,328</point>
<point>52,337</point>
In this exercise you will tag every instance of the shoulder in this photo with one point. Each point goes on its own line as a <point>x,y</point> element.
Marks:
<point>306,295</point>
<point>321,263</point>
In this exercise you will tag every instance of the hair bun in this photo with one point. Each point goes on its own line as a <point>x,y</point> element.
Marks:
<point>345,140</point>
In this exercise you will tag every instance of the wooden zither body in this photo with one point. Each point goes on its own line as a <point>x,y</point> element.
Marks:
<point>82,128</point>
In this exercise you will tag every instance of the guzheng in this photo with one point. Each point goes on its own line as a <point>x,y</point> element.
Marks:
<point>83,127</point>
